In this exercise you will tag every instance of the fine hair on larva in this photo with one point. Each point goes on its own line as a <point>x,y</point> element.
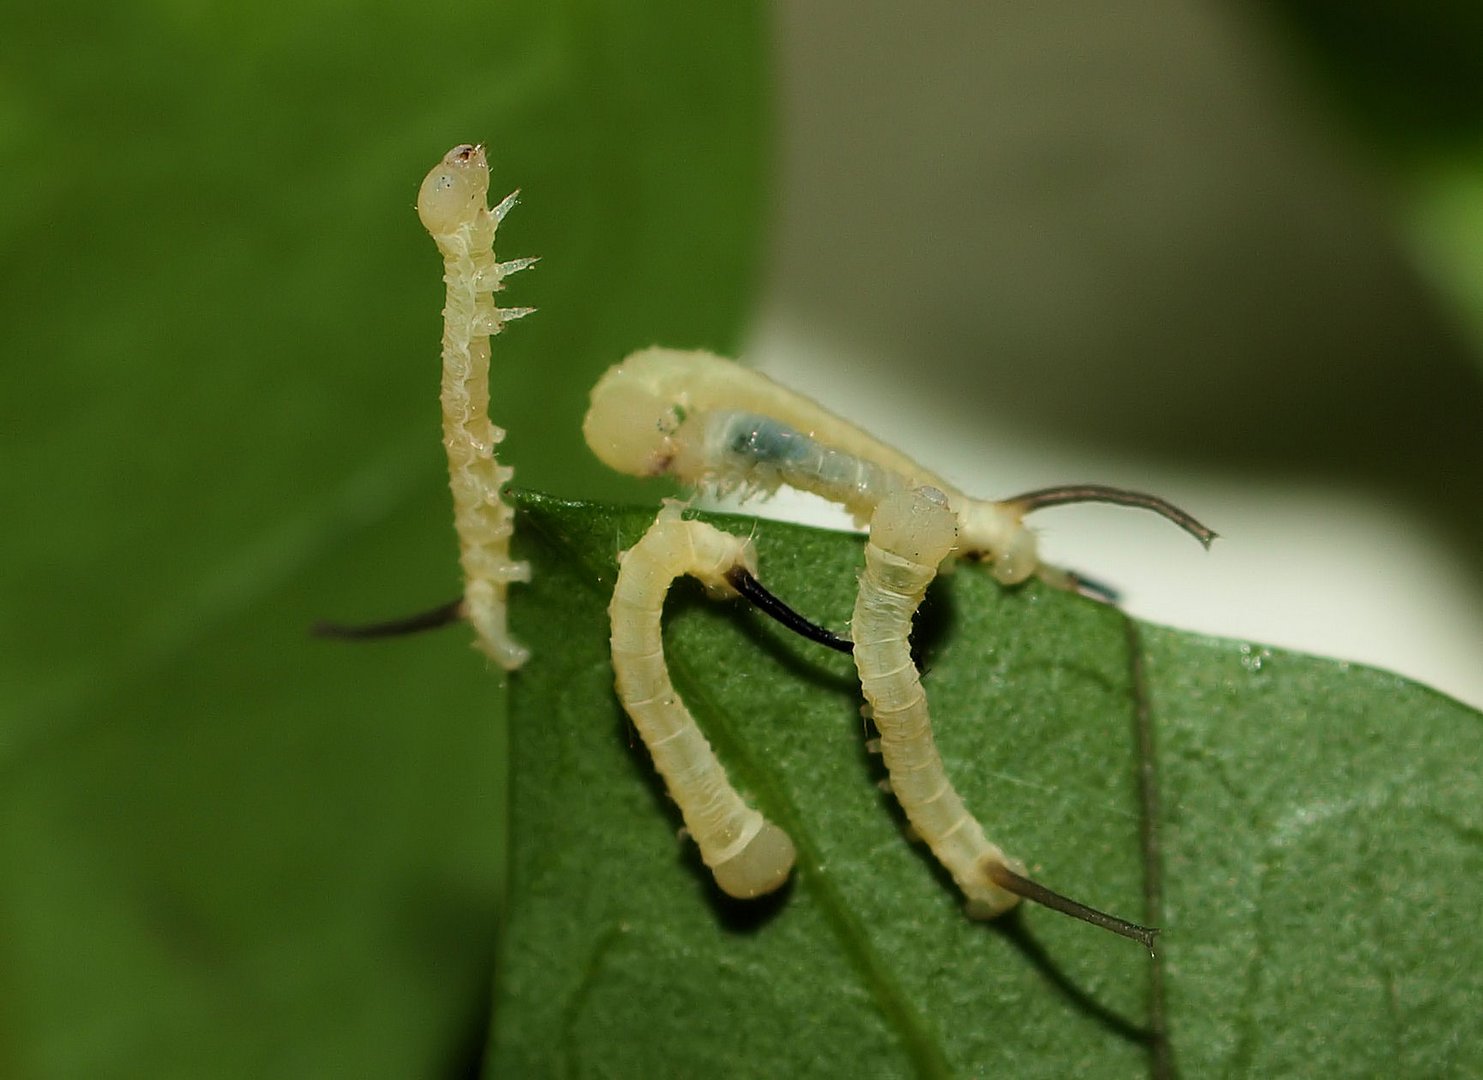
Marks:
<point>710,422</point>
<point>748,855</point>
<point>911,533</point>
<point>453,206</point>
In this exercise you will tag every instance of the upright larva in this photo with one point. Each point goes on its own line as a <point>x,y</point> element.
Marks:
<point>453,206</point>
<point>709,421</point>
<point>748,855</point>
<point>910,534</point>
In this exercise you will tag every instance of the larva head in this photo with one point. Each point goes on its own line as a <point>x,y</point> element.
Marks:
<point>915,524</point>
<point>760,867</point>
<point>630,426</point>
<point>455,190</point>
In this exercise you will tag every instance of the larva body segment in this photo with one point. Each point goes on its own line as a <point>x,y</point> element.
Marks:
<point>911,533</point>
<point>453,206</point>
<point>709,421</point>
<point>748,855</point>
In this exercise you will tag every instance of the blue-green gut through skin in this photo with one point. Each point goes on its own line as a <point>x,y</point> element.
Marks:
<point>763,440</point>
<point>759,451</point>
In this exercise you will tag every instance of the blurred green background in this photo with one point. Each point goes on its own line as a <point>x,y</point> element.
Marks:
<point>1245,238</point>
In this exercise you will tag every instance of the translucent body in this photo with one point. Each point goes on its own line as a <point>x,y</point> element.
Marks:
<point>748,450</point>
<point>708,421</point>
<point>748,855</point>
<point>911,533</point>
<point>452,204</point>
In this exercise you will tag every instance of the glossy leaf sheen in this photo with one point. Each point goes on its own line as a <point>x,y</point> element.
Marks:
<point>1321,834</point>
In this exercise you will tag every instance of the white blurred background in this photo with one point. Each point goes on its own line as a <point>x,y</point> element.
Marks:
<point>1035,244</point>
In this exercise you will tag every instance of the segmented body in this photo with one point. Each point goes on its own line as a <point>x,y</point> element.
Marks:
<point>911,533</point>
<point>711,422</point>
<point>453,206</point>
<point>748,855</point>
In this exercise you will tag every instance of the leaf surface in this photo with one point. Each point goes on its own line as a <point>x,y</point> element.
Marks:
<point>1319,830</point>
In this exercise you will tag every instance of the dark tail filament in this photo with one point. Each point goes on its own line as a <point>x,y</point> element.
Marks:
<point>741,579</point>
<point>442,615</point>
<point>1008,880</point>
<point>1031,501</point>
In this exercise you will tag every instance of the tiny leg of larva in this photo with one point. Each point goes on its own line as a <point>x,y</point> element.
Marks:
<point>748,855</point>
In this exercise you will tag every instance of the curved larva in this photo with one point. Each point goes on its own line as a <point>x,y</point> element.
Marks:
<point>911,533</point>
<point>748,855</point>
<point>453,206</point>
<point>707,420</point>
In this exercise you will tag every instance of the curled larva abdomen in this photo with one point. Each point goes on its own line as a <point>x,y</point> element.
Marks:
<point>748,855</point>
<point>911,533</point>
<point>453,206</point>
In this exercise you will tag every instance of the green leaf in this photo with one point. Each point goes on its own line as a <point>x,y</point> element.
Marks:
<point>225,849</point>
<point>1320,835</point>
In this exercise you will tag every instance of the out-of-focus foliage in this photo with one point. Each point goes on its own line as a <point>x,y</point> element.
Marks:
<point>1408,74</point>
<point>1409,79</point>
<point>226,849</point>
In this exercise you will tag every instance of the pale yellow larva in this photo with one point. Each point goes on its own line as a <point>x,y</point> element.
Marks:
<point>709,421</point>
<point>748,855</point>
<point>705,420</point>
<point>911,533</point>
<point>453,205</point>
